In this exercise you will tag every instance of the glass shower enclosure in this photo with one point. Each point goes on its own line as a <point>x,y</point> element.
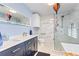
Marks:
<point>66,36</point>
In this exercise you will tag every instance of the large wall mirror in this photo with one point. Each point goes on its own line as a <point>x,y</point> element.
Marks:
<point>11,15</point>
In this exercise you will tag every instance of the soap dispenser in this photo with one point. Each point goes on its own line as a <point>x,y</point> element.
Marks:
<point>30,32</point>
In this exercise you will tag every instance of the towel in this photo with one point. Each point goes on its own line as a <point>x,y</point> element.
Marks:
<point>71,54</point>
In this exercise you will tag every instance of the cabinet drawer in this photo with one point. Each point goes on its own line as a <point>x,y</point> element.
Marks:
<point>6,53</point>
<point>17,50</point>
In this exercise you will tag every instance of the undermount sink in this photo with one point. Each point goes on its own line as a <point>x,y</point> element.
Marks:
<point>19,38</point>
<point>16,38</point>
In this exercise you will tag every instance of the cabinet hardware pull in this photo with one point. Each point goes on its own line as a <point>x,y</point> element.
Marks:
<point>16,50</point>
<point>30,47</point>
<point>29,43</point>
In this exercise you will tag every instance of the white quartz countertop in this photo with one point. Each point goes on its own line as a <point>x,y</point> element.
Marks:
<point>14,41</point>
<point>69,47</point>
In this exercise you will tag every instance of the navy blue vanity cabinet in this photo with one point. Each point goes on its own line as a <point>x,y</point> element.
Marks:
<point>26,48</point>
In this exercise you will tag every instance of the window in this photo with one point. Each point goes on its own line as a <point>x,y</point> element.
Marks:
<point>72,30</point>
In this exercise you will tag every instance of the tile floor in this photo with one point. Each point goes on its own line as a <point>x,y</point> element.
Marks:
<point>48,47</point>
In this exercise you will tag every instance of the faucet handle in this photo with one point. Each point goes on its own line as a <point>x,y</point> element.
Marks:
<point>24,34</point>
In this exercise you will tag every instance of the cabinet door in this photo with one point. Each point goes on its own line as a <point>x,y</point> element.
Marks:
<point>28,50</point>
<point>28,47</point>
<point>34,45</point>
<point>31,47</point>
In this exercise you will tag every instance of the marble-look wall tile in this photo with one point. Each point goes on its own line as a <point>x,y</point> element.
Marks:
<point>46,31</point>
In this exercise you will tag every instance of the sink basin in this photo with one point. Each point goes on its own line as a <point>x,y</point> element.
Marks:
<point>19,38</point>
<point>16,40</point>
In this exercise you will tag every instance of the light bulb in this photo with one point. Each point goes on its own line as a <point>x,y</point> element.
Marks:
<point>13,11</point>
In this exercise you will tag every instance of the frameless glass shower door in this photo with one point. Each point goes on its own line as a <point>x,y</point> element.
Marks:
<point>66,36</point>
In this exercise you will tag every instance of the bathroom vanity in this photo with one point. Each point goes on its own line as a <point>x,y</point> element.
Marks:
<point>20,46</point>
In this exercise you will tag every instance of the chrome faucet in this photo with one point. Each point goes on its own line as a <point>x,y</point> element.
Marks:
<point>24,34</point>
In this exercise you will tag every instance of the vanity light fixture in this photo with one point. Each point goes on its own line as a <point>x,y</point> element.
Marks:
<point>56,7</point>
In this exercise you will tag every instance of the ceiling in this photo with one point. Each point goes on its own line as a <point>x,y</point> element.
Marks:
<point>44,10</point>
<point>67,8</point>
